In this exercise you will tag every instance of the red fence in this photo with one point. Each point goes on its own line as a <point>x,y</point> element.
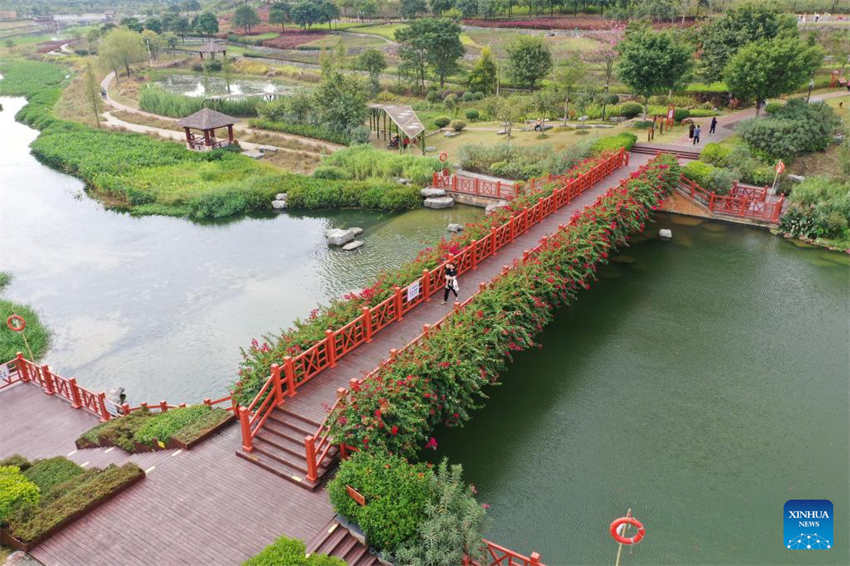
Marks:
<point>501,556</point>
<point>324,354</point>
<point>488,188</point>
<point>742,201</point>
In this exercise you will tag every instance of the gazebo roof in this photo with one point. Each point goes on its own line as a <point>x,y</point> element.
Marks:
<point>206,119</point>
<point>211,47</point>
<point>404,117</point>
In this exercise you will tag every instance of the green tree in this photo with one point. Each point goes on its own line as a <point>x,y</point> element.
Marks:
<point>771,67</point>
<point>529,60</point>
<point>752,21</point>
<point>340,101</point>
<point>432,42</point>
<point>366,8</point>
<point>132,24</point>
<point>373,62</point>
<point>120,48</point>
<point>154,25</point>
<point>484,74</point>
<point>328,12</point>
<point>468,8</point>
<point>170,40</point>
<point>279,14</point>
<point>245,17</point>
<point>206,24</point>
<point>182,27</point>
<point>306,13</point>
<point>411,8</point>
<point>153,43</point>
<point>566,79</point>
<point>508,110</point>
<point>439,6</point>
<point>652,62</point>
<point>190,6</point>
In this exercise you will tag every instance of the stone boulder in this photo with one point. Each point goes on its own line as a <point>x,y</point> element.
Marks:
<point>338,236</point>
<point>352,245</point>
<point>439,202</point>
<point>665,234</point>
<point>356,230</point>
<point>454,228</point>
<point>278,204</point>
<point>432,192</point>
<point>491,208</point>
<point>280,196</point>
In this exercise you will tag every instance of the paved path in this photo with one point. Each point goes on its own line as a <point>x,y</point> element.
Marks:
<point>205,505</point>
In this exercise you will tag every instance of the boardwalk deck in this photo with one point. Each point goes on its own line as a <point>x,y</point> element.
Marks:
<point>206,506</point>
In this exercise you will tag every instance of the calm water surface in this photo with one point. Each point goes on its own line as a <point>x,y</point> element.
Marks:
<point>161,305</point>
<point>702,382</point>
<point>215,85</point>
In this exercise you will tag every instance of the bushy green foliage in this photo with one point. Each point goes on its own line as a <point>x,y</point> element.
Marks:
<point>627,109</point>
<point>363,162</point>
<point>396,494</point>
<point>16,460</point>
<point>331,172</point>
<point>307,130</point>
<point>794,129</point>
<point>702,112</point>
<point>117,432</point>
<point>820,208</point>
<point>11,342</point>
<point>624,140</point>
<point>715,153</point>
<point>699,172</point>
<point>50,472</point>
<point>204,422</point>
<point>157,100</point>
<point>30,522</point>
<point>16,490</point>
<point>374,193</point>
<point>161,426</point>
<point>472,114</point>
<point>442,121</point>
<point>290,552</point>
<point>4,279</point>
<point>520,162</point>
<point>773,107</point>
<point>457,125</point>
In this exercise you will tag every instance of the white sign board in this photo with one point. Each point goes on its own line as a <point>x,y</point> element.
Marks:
<point>4,372</point>
<point>412,291</point>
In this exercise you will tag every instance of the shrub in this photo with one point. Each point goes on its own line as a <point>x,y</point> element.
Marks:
<point>773,107</point>
<point>468,96</point>
<point>629,109</point>
<point>161,426</point>
<point>432,96</point>
<point>702,112</point>
<point>331,172</point>
<point>715,153</point>
<point>116,432</point>
<point>624,140</point>
<point>458,125</point>
<point>52,471</point>
<point>442,121</point>
<point>11,342</point>
<point>290,552</point>
<point>721,181</point>
<point>516,162</point>
<point>363,162</point>
<point>680,114</point>
<point>360,135</point>
<point>396,494</point>
<point>612,99</point>
<point>699,172</point>
<point>193,430</point>
<point>820,208</point>
<point>213,66</point>
<point>16,490</point>
<point>793,129</point>
<point>472,114</point>
<point>16,460</point>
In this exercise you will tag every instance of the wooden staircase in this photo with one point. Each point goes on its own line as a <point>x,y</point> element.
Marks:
<point>336,540</point>
<point>279,448</point>
<point>655,149</point>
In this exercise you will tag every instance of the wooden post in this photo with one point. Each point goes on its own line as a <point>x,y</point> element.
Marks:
<point>289,372</point>
<point>277,385</point>
<point>75,393</point>
<point>330,345</point>
<point>47,380</point>
<point>310,449</point>
<point>525,218</point>
<point>493,231</point>
<point>711,202</point>
<point>163,407</point>
<point>207,141</point>
<point>125,409</point>
<point>457,306</point>
<point>475,185</point>
<point>397,291</point>
<point>245,422</point>
<point>498,189</point>
<point>535,559</point>
<point>230,133</point>
<point>101,405</point>
<point>23,372</point>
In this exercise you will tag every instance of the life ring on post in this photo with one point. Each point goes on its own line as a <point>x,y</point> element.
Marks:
<point>615,530</point>
<point>16,323</point>
<point>444,156</point>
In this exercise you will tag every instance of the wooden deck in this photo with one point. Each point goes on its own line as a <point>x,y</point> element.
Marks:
<point>206,506</point>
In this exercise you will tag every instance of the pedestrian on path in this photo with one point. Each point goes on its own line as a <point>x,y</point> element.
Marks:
<point>713,127</point>
<point>451,282</point>
<point>696,134</point>
<point>691,131</point>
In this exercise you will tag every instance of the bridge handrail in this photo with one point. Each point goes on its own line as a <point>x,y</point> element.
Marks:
<point>745,201</point>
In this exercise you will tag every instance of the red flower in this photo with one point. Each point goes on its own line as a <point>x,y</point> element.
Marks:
<point>394,430</point>
<point>432,443</point>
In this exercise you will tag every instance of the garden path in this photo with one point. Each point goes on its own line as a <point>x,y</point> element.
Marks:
<point>205,505</point>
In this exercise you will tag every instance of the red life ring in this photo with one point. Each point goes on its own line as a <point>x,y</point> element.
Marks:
<point>21,323</point>
<point>444,156</point>
<point>629,521</point>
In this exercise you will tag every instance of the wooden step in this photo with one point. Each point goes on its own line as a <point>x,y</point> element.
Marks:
<point>302,420</point>
<point>332,542</point>
<point>284,443</point>
<point>297,427</point>
<point>336,540</point>
<point>279,469</point>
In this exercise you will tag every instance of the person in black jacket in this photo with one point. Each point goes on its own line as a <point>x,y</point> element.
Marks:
<point>451,281</point>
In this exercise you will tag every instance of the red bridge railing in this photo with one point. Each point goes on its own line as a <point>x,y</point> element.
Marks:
<point>299,370</point>
<point>478,186</point>
<point>742,201</point>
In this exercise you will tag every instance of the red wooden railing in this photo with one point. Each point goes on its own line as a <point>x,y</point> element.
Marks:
<point>488,188</point>
<point>501,556</point>
<point>300,369</point>
<point>743,201</point>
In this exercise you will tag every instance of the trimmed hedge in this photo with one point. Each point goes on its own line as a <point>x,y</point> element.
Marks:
<point>49,473</point>
<point>614,142</point>
<point>16,490</point>
<point>290,552</point>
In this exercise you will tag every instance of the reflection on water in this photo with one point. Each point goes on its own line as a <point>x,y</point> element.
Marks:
<point>216,85</point>
<point>162,305</point>
<point>702,382</point>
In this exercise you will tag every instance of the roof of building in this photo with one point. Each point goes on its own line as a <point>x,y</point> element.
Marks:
<point>206,119</point>
<point>404,117</point>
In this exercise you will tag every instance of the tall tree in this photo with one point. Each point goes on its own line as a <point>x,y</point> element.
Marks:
<point>484,74</point>
<point>432,41</point>
<point>120,48</point>
<point>190,6</point>
<point>153,43</point>
<point>328,11</point>
<point>245,17</point>
<point>366,8</point>
<point>340,101</point>
<point>373,62</point>
<point>771,67</point>
<point>411,8</point>
<point>132,24</point>
<point>206,24</point>
<point>468,8</point>
<point>154,25</point>
<point>652,62</point>
<point>440,6</point>
<point>279,14</point>
<point>567,77</point>
<point>529,60</point>
<point>737,27</point>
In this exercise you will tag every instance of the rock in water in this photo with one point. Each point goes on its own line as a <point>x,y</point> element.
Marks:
<point>338,237</point>
<point>353,245</point>
<point>439,202</point>
<point>355,230</point>
<point>665,234</point>
<point>278,204</point>
<point>280,196</point>
<point>454,228</point>
<point>431,192</point>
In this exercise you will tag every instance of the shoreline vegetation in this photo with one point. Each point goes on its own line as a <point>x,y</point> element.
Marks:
<point>38,337</point>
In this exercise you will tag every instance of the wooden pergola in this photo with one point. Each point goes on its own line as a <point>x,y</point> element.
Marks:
<point>211,48</point>
<point>388,119</point>
<point>207,121</point>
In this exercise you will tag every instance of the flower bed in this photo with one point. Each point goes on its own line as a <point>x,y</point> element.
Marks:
<point>66,492</point>
<point>571,23</point>
<point>261,355</point>
<point>441,378</point>
<point>292,39</point>
<point>144,431</point>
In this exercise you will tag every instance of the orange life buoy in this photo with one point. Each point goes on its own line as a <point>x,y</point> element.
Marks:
<point>444,156</point>
<point>21,323</point>
<point>615,526</point>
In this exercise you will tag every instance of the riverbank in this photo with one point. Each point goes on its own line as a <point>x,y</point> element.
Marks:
<point>12,342</point>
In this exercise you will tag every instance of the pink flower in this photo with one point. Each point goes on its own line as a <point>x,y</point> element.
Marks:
<point>485,505</point>
<point>432,443</point>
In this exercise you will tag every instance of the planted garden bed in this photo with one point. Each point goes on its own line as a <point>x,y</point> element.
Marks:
<point>145,431</point>
<point>39,498</point>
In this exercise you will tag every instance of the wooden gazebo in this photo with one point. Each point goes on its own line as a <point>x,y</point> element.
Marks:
<point>210,48</point>
<point>387,120</point>
<point>207,121</point>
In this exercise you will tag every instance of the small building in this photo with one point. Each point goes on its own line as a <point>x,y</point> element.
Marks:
<point>398,125</point>
<point>210,48</point>
<point>207,121</point>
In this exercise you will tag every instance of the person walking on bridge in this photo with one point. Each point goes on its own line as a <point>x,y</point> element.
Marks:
<point>451,282</point>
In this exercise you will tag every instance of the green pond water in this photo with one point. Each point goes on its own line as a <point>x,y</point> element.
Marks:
<point>702,382</point>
